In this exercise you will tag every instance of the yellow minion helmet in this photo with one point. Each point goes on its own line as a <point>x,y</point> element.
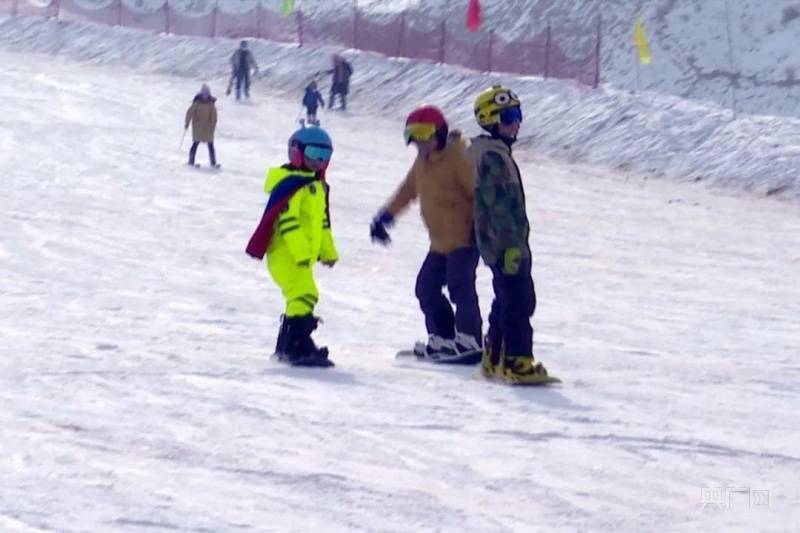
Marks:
<point>491,102</point>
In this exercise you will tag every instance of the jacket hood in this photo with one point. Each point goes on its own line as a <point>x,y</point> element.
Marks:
<point>488,142</point>
<point>455,145</point>
<point>200,97</point>
<point>275,175</point>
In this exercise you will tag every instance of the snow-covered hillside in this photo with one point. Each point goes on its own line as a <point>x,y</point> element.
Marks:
<point>737,53</point>
<point>740,54</point>
<point>648,134</point>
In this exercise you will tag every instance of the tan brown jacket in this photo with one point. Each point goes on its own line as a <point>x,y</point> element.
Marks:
<point>203,116</point>
<point>445,186</point>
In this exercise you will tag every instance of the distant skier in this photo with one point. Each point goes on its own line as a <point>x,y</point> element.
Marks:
<point>312,99</point>
<point>242,62</point>
<point>442,177</point>
<point>502,229</point>
<point>202,115</point>
<point>340,83</point>
<point>295,233</point>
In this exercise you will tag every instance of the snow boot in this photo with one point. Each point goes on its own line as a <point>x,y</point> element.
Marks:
<point>283,338</point>
<point>522,370</point>
<point>300,349</point>
<point>490,361</point>
<point>463,350</point>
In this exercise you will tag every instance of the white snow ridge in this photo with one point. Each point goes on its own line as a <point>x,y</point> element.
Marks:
<point>136,391</point>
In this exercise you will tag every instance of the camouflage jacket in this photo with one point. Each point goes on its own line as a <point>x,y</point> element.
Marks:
<point>501,221</point>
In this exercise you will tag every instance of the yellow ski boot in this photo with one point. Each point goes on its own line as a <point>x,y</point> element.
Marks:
<point>523,370</point>
<point>488,364</point>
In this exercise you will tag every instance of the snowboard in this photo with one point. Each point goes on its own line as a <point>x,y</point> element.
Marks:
<point>472,358</point>
<point>197,166</point>
<point>315,362</point>
<point>541,382</point>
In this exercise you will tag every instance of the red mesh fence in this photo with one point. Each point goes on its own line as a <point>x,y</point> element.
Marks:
<point>525,57</point>
<point>195,24</point>
<point>540,55</point>
<point>421,44</point>
<point>31,8</point>
<point>107,14</point>
<point>238,25</point>
<point>276,27</point>
<point>383,38</point>
<point>328,32</point>
<point>472,53</point>
<point>155,20</point>
<point>581,69</point>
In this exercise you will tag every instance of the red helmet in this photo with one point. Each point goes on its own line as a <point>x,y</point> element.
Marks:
<point>424,122</point>
<point>427,113</point>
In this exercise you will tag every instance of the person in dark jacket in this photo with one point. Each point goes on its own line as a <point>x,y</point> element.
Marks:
<point>312,99</point>
<point>242,62</point>
<point>502,230</point>
<point>340,84</point>
<point>202,115</point>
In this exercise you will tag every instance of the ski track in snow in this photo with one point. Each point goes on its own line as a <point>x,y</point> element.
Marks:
<point>136,393</point>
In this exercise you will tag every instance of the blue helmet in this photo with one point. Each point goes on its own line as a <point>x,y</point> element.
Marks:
<point>312,142</point>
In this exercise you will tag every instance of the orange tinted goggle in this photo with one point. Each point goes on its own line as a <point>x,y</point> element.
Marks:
<point>419,131</point>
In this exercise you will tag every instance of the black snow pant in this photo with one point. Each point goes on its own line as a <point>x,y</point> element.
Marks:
<point>456,270</point>
<point>512,309</point>
<point>311,114</point>
<point>338,89</point>
<point>243,82</point>
<point>212,156</point>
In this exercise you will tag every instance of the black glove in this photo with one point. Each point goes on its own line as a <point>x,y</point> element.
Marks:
<point>377,230</point>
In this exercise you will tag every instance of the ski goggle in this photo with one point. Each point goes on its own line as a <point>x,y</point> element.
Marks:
<point>511,115</point>
<point>318,153</point>
<point>419,131</point>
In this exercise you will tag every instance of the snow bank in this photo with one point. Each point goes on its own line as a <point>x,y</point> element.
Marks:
<point>645,133</point>
<point>740,54</point>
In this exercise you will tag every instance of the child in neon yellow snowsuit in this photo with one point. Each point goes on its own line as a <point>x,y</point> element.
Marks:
<point>295,233</point>
<point>302,235</point>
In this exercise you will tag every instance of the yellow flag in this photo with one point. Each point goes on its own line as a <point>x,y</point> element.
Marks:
<point>641,42</point>
<point>287,7</point>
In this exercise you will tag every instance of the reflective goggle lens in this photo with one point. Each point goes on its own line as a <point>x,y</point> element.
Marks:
<point>511,115</point>
<point>318,153</point>
<point>421,131</point>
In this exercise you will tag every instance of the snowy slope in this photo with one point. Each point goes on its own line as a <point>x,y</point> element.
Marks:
<point>648,134</point>
<point>740,54</point>
<point>136,394</point>
<point>737,53</point>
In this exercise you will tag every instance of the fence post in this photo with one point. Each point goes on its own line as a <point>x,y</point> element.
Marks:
<point>355,24</point>
<point>547,52</point>
<point>402,33</point>
<point>730,60</point>
<point>15,8</point>
<point>119,12</point>
<point>491,48</point>
<point>58,8</point>
<point>167,25</point>
<point>597,52</point>
<point>442,43</point>
<point>299,17</point>
<point>259,15</point>
<point>214,20</point>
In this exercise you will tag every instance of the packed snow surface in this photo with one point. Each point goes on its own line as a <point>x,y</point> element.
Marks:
<point>137,393</point>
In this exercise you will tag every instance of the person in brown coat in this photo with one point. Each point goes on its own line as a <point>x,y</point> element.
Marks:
<point>443,179</point>
<point>202,115</point>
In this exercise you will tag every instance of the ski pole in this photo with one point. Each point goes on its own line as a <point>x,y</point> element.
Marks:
<point>182,138</point>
